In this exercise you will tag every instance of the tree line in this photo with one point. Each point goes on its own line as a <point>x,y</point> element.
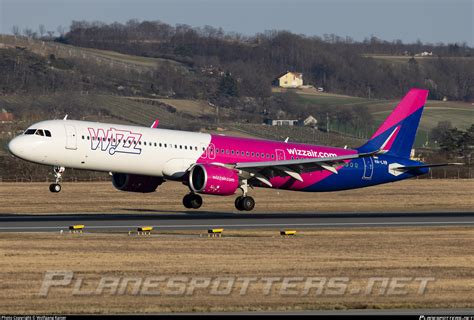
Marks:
<point>338,64</point>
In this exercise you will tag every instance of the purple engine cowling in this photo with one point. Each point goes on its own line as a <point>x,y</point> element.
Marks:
<point>213,179</point>
<point>135,183</point>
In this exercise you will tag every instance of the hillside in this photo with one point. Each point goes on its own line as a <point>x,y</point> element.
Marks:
<point>95,107</point>
<point>460,114</point>
<point>90,55</point>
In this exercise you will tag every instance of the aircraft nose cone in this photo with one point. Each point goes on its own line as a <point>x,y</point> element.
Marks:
<point>15,147</point>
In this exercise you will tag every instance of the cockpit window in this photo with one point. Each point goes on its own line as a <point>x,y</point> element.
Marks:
<point>39,132</point>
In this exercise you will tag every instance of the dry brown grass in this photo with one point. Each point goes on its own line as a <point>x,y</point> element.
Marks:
<point>405,196</point>
<point>444,253</point>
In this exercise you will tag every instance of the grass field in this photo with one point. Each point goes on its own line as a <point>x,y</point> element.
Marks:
<point>444,255</point>
<point>404,59</point>
<point>461,114</point>
<point>406,196</point>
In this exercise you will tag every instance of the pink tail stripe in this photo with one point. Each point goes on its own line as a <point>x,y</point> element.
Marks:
<point>413,101</point>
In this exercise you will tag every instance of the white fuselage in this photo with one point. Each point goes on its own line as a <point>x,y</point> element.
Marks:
<point>112,147</point>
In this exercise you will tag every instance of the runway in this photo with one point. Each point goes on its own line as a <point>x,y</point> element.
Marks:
<point>199,220</point>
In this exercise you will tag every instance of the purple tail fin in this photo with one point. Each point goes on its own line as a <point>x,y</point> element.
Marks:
<point>397,133</point>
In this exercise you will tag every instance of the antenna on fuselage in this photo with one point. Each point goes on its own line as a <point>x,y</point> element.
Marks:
<point>286,140</point>
<point>65,117</point>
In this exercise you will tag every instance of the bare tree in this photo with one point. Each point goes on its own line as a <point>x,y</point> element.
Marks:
<point>61,30</point>
<point>29,33</point>
<point>42,30</point>
<point>16,31</point>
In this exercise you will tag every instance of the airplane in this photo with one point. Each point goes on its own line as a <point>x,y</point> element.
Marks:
<point>140,159</point>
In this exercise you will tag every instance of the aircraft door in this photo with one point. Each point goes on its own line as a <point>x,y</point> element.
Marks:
<point>280,154</point>
<point>211,151</point>
<point>71,139</point>
<point>368,168</point>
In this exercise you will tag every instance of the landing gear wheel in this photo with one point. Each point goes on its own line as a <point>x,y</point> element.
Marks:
<point>187,201</point>
<point>55,187</point>
<point>238,203</point>
<point>192,201</point>
<point>247,203</point>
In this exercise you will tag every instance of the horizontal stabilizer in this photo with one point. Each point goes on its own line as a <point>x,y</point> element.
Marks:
<point>427,165</point>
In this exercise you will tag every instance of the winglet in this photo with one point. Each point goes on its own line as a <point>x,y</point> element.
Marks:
<point>155,124</point>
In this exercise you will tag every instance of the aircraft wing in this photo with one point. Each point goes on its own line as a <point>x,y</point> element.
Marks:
<point>262,171</point>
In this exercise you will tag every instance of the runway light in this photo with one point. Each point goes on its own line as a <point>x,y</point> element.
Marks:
<point>288,233</point>
<point>215,232</point>
<point>76,228</point>
<point>145,230</point>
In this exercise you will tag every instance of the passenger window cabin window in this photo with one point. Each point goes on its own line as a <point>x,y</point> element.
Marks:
<point>155,144</point>
<point>273,156</point>
<point>159,144</point>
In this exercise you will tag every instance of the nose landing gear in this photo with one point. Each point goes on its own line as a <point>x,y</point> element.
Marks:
<point>56,187</point>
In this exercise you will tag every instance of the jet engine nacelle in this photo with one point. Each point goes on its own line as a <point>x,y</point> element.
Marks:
<point>135,183</point>
<point>213,179</point>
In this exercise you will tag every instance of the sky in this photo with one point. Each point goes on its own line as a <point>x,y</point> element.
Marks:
<point>430,21</point>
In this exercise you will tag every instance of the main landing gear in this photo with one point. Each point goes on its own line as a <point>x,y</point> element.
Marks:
<point>244,202</point>
<point>192,201</point>
<point>56,187</point>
